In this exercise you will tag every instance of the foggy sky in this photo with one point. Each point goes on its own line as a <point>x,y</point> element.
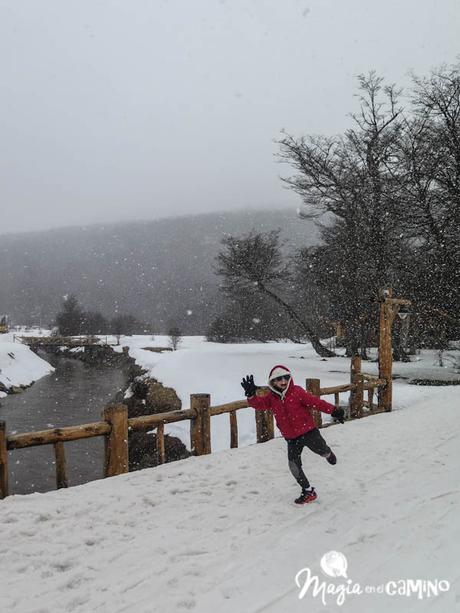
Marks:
<point>117,109</point>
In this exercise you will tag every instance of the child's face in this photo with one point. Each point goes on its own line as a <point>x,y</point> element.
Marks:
<point>281,383</point>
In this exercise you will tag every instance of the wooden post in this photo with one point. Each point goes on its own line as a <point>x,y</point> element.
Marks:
<point>385,350</point>
<point>264,426</point>
<point>359,396</point>
<point>206,424</point>
<point>3,462</point>
<point>356,395</point>
<point>233,430</point>
<point>61,468</point>
<point>389,308</point>
<point>313,386</point>
<point>269,425</point>
<point>116,443</point>
<point>260,429</point>
<point>160,441</point>
<point>200,425</point>
<point>265,429</point>
<point>196,446</point>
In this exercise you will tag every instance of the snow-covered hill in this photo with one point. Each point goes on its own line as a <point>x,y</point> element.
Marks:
<point>221,532</point>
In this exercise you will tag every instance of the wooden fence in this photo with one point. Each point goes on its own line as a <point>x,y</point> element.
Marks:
<point>116,425</point>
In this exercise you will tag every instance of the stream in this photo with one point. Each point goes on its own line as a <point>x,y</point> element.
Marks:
<point>75,393</point>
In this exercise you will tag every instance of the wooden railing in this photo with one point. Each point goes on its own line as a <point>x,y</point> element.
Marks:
<point>115,427</point>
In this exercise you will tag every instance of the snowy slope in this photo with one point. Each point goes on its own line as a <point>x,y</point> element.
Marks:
<point>19,365</point>
<point>220,532</point>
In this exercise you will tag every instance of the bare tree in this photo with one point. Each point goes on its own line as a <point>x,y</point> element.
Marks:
<point>254,264</point>
<point>355,179</point>
<point>175,336</point>
<point>431,150</point>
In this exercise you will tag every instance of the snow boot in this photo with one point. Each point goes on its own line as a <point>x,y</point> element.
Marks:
<point>306,496</point>
<point>330,457</point>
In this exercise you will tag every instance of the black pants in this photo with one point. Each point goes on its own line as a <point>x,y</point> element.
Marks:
<point>314,441</point>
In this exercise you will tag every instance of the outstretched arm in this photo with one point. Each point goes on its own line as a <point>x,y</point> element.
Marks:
<point>315,402</point>
<point>260,403</point>
<point>250,389</point>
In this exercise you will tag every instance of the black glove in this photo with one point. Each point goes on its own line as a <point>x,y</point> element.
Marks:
<point>339,415</point>
<point>249,386</point>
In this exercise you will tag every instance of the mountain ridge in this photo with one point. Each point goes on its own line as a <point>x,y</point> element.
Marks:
<point>160,271</point>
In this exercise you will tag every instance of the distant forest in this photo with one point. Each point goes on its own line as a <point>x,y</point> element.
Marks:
<point>161,272</point>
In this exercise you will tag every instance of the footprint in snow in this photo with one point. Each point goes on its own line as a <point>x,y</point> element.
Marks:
<point>186,604</point>
<point>63,566</point>
<point>194,573</point>
<point>74,582</point>
<point>78,601</point>
<point>10,519</point>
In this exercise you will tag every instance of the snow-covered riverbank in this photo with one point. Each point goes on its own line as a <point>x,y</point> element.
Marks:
<point>19,366</point>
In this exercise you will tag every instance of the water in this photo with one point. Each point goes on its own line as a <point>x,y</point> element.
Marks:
<point>75,393</point>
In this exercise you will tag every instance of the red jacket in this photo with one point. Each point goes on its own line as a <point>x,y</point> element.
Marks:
<point>293,415</point>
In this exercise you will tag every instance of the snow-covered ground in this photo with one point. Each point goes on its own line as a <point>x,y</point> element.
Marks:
<point>18,364</point>
<point>217,369</point>
<point>221,533</point>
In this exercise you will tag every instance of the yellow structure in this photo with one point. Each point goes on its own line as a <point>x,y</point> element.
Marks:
<point>3,324</point>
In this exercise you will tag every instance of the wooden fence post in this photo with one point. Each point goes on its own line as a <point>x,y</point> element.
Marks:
<point>61,469</point>
<point>160,441</point>
<point>265,430</point>
<point>270,425</point>
<point>233,430</point>
<point>313,386</point>
<point>3,462</point>
<point>355,401</point>
<point>116,443</point>
<point>385,350</point>
<point>200,426</point>
<point>206,424</point>
<point>359,395</point>
<point>195,427</point>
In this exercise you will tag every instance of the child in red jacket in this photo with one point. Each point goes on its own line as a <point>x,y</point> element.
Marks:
<point>291,406</point>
